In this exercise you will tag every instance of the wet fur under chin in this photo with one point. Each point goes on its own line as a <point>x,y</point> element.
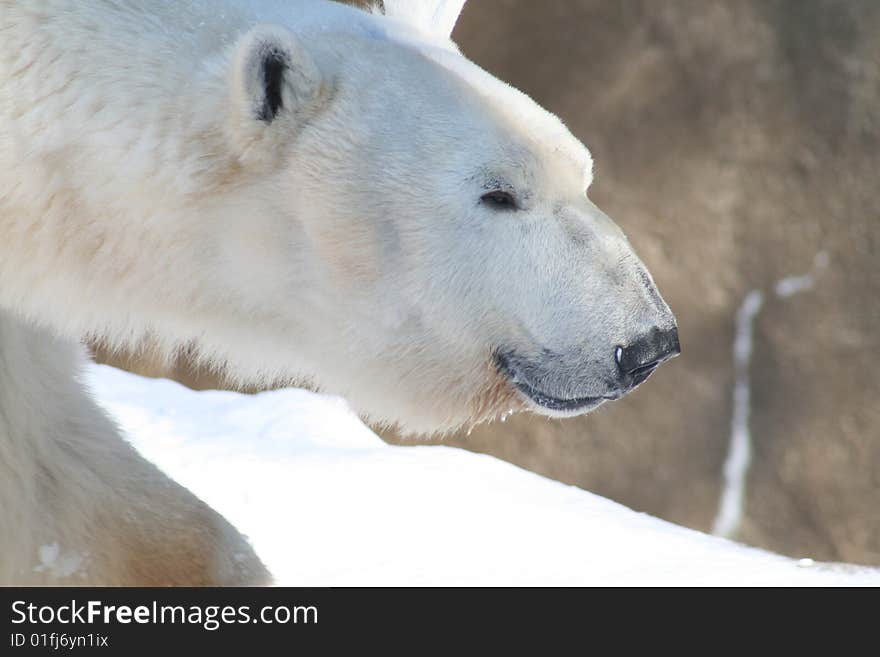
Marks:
<point>498,399</point>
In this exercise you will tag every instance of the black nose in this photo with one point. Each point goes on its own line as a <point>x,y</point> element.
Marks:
<point>638,360</point>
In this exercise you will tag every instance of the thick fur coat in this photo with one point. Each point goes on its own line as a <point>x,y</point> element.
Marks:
<point>305,192</point>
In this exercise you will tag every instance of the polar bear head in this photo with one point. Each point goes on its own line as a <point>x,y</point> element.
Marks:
<point>427,245</point>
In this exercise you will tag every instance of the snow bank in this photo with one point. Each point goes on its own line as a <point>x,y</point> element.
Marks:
<point>325,502</point>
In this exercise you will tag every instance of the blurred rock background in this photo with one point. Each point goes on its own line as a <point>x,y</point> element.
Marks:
<point>735,141</point>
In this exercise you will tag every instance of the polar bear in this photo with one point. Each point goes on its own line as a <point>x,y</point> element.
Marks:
<point>309,193</point>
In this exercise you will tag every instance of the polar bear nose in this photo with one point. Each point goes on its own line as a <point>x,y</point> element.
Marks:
<point>638,360</point>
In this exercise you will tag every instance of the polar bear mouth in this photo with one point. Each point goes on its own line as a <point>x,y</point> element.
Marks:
<point>545,401</point>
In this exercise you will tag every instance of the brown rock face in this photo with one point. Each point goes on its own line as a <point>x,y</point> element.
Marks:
<point>734,142</point>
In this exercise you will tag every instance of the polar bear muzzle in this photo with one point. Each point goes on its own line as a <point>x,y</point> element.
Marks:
<point>552,386</point>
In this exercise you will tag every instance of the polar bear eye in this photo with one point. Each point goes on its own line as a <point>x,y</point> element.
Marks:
<point>499,200</point>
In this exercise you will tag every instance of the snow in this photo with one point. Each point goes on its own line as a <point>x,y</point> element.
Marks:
<point>739,455</point>
<point>736,467</point>
<point>326,503</point>
<point>791,285</point>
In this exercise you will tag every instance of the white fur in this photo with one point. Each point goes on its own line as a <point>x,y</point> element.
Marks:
<point>77,504</point>
<point>433,16</point>
<point>343,242</point>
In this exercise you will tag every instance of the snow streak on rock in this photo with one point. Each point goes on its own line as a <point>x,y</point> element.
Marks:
<point>739,454</point>
<point>736,467</point>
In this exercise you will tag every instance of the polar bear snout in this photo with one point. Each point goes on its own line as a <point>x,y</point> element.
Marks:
<point>638,360</point>
<point>563,385</point>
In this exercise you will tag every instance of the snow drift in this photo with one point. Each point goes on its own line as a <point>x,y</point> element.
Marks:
<point>326,502</point>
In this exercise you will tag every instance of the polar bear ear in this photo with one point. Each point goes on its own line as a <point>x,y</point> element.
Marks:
<point>434,16</point>
<point>273,76</point>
